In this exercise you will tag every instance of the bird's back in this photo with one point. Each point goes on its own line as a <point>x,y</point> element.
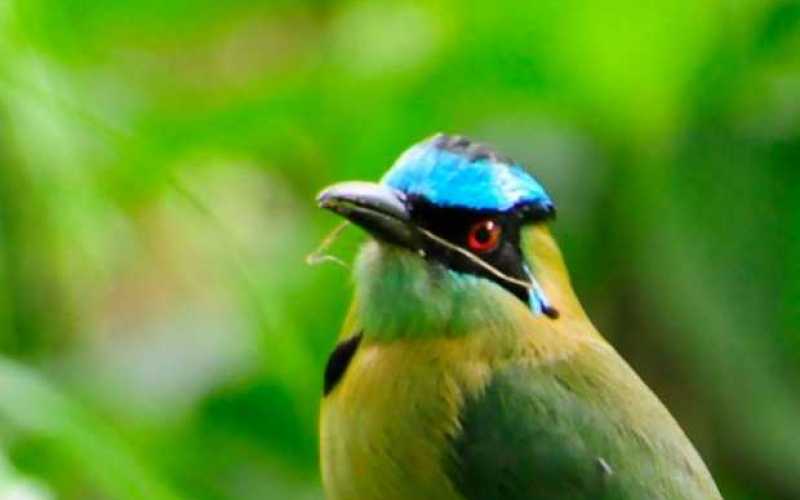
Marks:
<point>585,427</point>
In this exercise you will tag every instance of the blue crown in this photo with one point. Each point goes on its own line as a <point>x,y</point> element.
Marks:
<point>452,171</point>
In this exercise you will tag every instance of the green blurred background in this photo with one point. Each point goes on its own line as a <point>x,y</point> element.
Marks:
<point>160,334</point>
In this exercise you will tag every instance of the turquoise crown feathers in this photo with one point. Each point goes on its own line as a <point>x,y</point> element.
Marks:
<point>452,171</point>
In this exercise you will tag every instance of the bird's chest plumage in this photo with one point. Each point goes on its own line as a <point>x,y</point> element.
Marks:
<point>534,413</point>
<point>386,427</point>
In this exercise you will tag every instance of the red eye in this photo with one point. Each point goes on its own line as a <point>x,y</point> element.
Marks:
<point>484,236</point>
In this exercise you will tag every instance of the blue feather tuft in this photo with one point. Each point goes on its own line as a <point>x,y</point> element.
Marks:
<point>453,172</point>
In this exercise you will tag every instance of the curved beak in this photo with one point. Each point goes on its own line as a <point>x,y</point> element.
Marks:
<point>378,209</point>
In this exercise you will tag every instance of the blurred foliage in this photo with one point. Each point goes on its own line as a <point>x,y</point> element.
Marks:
<point>161,336</point>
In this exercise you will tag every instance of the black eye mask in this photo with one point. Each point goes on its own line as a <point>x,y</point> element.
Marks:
<point>455,226</point>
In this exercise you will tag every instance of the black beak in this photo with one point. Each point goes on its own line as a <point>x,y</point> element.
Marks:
<point>378,209</point>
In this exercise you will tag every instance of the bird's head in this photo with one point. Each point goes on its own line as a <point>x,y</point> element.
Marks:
<point>453,224</point>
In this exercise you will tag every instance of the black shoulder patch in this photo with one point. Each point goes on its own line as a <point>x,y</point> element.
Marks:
<point>338,362</point>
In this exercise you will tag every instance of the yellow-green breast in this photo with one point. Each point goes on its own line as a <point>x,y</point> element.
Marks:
<point>386,426</point>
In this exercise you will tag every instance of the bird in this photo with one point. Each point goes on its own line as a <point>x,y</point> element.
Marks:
<point>467,368</point>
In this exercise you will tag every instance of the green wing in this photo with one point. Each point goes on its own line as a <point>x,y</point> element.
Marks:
<point>586,428</point>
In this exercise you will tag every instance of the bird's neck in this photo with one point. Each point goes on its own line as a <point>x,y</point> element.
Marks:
<point>551,273</point>
<point>400,295</point>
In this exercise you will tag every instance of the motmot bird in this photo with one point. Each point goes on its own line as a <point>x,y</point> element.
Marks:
<point>466,368</point>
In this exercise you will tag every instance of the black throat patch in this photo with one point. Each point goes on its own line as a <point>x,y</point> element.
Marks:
<point>338,362</point>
